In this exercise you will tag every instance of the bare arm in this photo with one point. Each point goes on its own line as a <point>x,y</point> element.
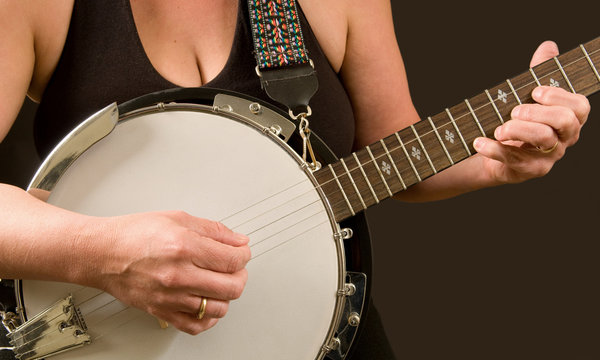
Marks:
<point>374,75</point>
<point>160,262</point>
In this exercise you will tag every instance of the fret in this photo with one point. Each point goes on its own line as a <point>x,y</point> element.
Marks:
<point>342,190</point>
<point>408,156</point>
<point>380,157</point>
<point>535,78</point>
<point>449,136</point>
<point>362,170</point>
<point>430,142</point>
<point>416,152</point>
<point>458,131</point>
<point>412,165</point>
<point>475,117</point>
<point>376,165</point>
<point>362,201</point>
<point>562,71</point>
<point>440,140</point>
<point>485,112</point>
<point>325,179</point>
<point>424,149</point>
<point>587,56</point>
<point>380,188</point>
<point>524,85</point>
<point>513,91</point>
<point>594,55</point>
<point>503,101</point>
<point>400,160</point>
<point>393,163</point>
<point>577,68</point>
<point>549,75</point>
<point>494,106</point>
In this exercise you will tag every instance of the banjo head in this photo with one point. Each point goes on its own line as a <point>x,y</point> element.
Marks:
<point>220,166</point>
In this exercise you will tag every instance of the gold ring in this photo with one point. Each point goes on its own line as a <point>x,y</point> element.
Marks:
<point>202,308</point>
<point>547,151</point>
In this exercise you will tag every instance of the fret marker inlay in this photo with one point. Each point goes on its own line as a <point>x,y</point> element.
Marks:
<point>494,105</point>
<point>458,131</point>
<point>379,171</point>
<point>440,140</point>
<point>449,136</point>
<point>387,152</point>
<point>502,96</point>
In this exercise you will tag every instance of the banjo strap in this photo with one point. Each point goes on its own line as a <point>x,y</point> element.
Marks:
<point>285,70</point>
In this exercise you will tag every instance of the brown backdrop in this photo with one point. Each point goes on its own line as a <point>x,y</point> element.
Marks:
<point>503,273</point>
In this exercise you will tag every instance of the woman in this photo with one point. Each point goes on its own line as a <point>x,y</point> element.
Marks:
<point>188,44</point>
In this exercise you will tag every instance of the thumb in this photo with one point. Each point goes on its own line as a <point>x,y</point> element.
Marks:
<point>547,50</point>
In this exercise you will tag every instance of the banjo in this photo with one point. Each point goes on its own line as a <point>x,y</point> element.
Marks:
<point>307,280</point>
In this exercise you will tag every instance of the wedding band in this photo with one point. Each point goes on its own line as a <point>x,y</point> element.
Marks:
<point>546,151</point>
<point>202,308</point>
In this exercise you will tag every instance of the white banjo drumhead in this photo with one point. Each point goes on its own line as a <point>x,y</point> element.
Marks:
<point>221,169</point>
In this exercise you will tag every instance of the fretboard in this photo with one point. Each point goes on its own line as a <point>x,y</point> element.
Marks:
<point>413,154</point>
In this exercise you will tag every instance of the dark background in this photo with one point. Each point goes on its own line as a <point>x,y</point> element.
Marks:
<point>502,273</point>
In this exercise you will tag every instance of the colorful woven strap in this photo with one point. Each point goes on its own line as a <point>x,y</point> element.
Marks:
<point>278,40</point>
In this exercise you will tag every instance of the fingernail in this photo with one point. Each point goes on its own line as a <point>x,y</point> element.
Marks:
<point>515,112</point>
<point>241,237</point>
<point>497,132</point>
<point>537,93</point>
<point>478,144</point>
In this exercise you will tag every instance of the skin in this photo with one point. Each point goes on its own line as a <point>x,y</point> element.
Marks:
<point>162,262</point>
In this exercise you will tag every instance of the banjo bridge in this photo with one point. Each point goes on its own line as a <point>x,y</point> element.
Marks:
<point>55,330</point>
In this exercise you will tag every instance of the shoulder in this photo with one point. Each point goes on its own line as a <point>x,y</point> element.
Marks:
<point>36,29</point>
<point>328,20</point>
<point>359,40</point>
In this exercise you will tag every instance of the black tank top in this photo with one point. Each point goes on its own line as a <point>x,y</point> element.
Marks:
<point>103,61</point>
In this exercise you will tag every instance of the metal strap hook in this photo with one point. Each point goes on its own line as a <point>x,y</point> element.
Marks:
<point>304,131</point>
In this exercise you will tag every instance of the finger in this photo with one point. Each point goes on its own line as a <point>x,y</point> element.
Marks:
<point>548,95</point>
<point>190,303</point>
<point>203,282</point>
<point>546,50</point>
<point>561,119</point>
<point>518,164</point>
<point>212,229</point>
<point>536,134</point>
<point>187,323</point>
<point>216,256</point>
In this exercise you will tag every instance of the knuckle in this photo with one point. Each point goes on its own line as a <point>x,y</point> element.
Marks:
<point>213,227</point>
<point>235,289</point>
<point>512,157</point>
<point>221,309</point>
<point>169,279</point>
<point>237,261</point>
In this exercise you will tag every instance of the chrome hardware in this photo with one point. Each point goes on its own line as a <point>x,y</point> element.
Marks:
<point>333,345</point>
<point>344,234</point>
<point>275,129</point>
<point>349,290</point>
<point>255,108</point>
<point>161,106</point>
<point>253,112</point>
<point>55,330</point>
<point>354,294</point>
<point>71,147</point>
<point>354,319</point>
<point>10,321</point>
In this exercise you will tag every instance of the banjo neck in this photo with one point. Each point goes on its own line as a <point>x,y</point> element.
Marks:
<point>411,155</point>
